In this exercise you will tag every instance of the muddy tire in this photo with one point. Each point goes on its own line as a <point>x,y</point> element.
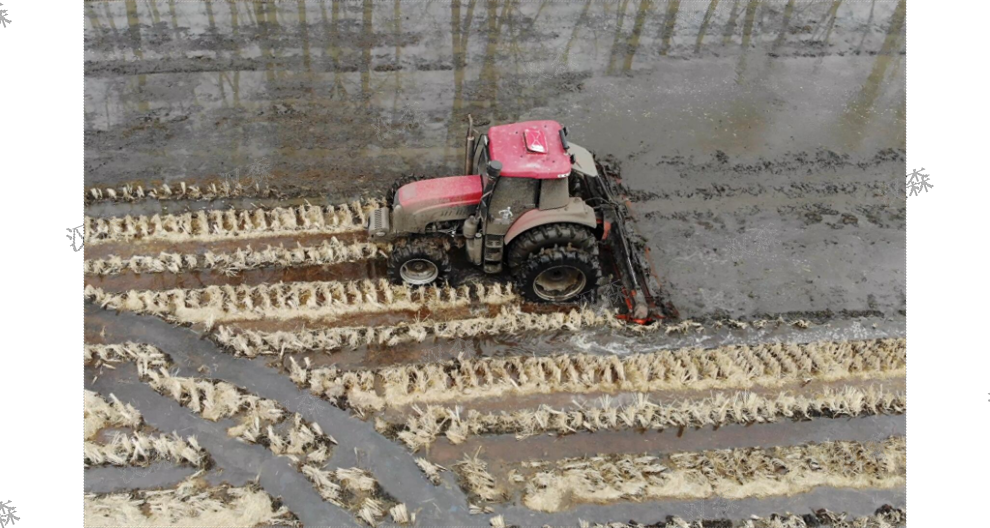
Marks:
<point>560,275</point>
<point>548,236</point>
<point>418,262</point>
<point>390,196</point>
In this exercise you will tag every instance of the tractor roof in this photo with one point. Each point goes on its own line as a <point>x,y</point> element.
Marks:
<point>531,149</point>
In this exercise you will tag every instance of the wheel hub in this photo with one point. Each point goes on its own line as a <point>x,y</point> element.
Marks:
<point>418,272</point>
<point>559,283</point>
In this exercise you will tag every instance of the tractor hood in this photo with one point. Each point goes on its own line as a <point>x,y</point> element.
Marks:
<point>452,191</point>
<point>436,201</point>
<point>531,149</point>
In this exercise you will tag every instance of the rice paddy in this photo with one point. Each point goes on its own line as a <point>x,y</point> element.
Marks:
<point>214,225</point>
<point>730,473</point>
<point>177,191</point>
<point>728,367</point>
<point>303,327</point>
<point>327,300</point>
<point>424,426</point>
<point>327,253</point>
<point>510,320</point>
<point>191,503</point>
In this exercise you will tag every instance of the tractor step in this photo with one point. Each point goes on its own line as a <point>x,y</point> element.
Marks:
<point>494,245</point>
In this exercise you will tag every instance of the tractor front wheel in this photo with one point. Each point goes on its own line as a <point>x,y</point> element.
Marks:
<point>559,275</point>
<point>418,262</point>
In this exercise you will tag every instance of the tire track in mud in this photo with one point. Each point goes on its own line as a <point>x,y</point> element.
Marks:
<point>109,479</point>
<point>854,502</point>
<point>391,464</point>
<point>236,462</point>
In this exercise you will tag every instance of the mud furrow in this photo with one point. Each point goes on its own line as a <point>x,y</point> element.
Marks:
<point>231,263</point>
<point>216,224</point>
<point>191,503</point>
<point>422,429</point>
<point>436,506</point>
<point>265,422</point>
<point>729,473</point>
<point>237,462</point>
<point>312,300</point>
<point>884,517</point>
<point>727,367</point>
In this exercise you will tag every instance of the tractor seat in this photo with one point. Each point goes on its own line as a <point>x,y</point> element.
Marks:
<point>451,191</point>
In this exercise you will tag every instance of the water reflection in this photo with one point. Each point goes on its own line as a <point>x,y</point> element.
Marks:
<point>193,89</point>
<point>860,110</point>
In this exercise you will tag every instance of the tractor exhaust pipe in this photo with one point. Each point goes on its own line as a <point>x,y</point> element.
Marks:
<point>468,145</point>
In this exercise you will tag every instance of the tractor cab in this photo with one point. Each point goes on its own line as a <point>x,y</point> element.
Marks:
<point>534,166</point>
<point>534,149</point>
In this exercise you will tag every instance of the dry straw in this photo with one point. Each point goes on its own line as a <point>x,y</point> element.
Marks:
<point>479,483</point>
<point>141,449</point>
<point>431,470</point>
<point>726,367</point>
<point>99,413</point>
<point>329,252</point>
<point>145,357</point>
<point>177,191</point>
<point>217,224</point>
<point>729,473</point>
<point>510,320</point>
<point>425,427</point>
<point>401,515</point>
<point>885,517</point>
<point>191,503</point>
<point>312,300</point>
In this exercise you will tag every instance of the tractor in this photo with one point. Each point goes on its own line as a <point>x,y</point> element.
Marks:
<point>532,204</point>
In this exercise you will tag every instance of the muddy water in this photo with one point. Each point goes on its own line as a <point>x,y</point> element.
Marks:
<point>763,143</point>
<point>765,138</point>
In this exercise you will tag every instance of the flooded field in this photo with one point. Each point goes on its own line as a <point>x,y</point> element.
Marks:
<point>762,145</point>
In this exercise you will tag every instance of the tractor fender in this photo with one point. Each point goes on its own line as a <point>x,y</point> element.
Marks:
<point>575,212</point>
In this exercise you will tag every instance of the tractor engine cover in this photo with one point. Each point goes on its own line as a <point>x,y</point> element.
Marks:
<point>532,149</point>
<point>435,200</point>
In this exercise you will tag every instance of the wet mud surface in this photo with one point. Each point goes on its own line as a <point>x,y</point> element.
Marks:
<point>762,145</point>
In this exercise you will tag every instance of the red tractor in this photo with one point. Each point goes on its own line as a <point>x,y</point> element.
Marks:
<point>532,203</point>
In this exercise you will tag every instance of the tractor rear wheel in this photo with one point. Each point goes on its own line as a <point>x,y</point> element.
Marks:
<point>547,236</point>
<point>418,262</point>
<point>411,178</point>
<point>560,275</point>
